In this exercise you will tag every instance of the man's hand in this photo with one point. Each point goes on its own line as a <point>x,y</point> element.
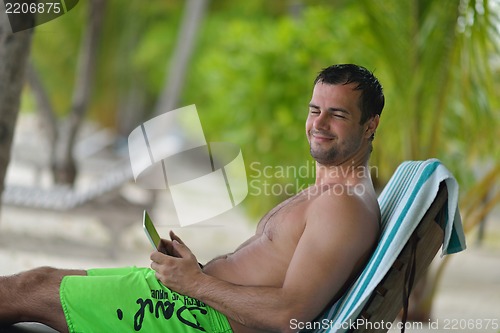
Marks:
<point>166,246</point>
<point>177,271</point>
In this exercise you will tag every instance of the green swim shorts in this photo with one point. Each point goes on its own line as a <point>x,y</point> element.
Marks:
<point>132,300</point>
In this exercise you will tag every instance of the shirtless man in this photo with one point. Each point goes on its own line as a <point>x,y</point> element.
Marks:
<point>304,254</point>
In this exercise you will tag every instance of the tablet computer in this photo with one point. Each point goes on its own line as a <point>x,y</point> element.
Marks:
<point>150,230</point>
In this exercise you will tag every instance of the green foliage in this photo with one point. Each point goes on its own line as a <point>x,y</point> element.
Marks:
<point>135,48</point>
<point>251,80</point>
<point>255,61</point>
<point>439,84</point>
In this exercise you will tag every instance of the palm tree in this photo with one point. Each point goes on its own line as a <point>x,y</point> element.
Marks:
<point>437,56</point>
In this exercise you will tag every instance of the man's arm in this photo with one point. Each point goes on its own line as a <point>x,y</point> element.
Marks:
<point>336,238</point>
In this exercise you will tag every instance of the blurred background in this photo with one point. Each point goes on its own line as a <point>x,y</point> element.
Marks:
<point>97,72</point>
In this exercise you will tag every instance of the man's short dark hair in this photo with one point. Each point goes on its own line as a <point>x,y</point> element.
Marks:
<point>372,97</point>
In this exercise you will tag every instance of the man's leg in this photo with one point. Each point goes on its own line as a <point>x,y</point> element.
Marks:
<point>33,296</point>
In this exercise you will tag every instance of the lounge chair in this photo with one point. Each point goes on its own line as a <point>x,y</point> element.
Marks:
<point>419,214</point>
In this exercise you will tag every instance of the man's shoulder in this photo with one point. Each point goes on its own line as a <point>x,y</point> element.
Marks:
<point>344,204</point>
<point>340,196</point>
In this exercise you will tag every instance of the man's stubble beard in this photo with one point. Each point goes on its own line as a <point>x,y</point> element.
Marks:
<point>336,154</point>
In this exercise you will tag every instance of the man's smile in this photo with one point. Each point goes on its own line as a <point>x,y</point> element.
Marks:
<point>321,136</point>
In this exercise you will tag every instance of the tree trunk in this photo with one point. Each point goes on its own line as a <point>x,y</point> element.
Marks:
<point>64,165</point>
<point>46,114</point>
<point>14,51</point>
<point>193,15</point>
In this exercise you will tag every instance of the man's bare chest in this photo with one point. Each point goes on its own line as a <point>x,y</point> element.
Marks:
<point>286,219</point>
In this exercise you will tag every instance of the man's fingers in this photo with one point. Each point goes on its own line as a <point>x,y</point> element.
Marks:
<point>156,257</point>
<point>165,246</point>
<point>173,237</point>
<point>181,249</point>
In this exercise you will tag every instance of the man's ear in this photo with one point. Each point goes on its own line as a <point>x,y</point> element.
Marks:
<point>371,126</point>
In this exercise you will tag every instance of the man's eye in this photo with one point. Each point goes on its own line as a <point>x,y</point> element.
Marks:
<point>314,111</point>
<point>339,115</point>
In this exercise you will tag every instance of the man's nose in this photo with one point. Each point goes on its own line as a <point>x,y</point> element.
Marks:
<point>321,122</point>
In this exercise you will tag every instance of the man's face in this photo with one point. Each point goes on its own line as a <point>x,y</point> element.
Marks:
<point>332,125</point>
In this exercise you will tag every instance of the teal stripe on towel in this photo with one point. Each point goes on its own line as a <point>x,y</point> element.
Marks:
<point>401,182</point>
